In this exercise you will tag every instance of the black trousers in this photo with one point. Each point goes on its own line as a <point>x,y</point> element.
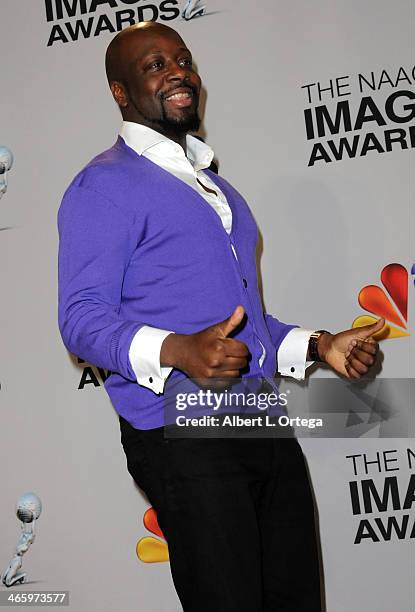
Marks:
<point>238,518</point>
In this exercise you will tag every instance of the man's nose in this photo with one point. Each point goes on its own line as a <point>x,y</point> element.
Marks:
<point>177,73</point>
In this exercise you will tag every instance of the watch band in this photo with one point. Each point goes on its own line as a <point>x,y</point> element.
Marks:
<point>313,344</point>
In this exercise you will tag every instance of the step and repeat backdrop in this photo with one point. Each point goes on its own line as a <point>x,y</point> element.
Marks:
<point>310,109</point>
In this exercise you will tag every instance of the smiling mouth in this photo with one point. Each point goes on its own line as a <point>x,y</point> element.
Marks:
<point>180,99</point>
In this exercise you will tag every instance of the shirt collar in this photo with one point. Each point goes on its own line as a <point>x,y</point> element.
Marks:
<point>140,138</point>
<point>199,153</point>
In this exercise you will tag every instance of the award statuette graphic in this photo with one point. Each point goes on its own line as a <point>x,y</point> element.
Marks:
<point>6,162</point>
<point>28,510</point>
<point>193,8</point>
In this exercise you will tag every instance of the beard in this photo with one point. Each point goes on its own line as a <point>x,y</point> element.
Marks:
<point>188,122</point>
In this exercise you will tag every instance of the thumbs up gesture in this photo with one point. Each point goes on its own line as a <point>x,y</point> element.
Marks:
<point>353,352</point>
<point>209,353</point>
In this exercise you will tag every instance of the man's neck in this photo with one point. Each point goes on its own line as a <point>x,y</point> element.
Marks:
<point>177,136</point>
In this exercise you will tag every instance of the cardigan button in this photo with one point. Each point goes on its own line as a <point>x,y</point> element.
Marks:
<point>245,283</point>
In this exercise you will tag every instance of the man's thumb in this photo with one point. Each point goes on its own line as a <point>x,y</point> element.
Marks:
<point>228,325</point>
<point>369,330</point>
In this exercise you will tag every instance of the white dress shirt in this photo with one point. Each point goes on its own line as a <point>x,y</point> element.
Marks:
<point>144,353</point>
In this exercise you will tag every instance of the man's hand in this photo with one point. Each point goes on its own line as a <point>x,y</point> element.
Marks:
<point>208,353</point>
<point>351,353</point>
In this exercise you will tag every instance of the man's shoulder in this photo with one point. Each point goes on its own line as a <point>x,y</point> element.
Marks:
<point>111,166</point>
<point>118,175</point>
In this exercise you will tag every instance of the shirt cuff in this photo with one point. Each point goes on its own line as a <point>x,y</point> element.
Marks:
<point>144,355</point>
<point>292,353</point>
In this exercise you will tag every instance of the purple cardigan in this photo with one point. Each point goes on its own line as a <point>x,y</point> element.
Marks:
<point>140,247</point>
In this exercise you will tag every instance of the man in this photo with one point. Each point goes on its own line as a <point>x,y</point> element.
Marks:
<point>157,282</point>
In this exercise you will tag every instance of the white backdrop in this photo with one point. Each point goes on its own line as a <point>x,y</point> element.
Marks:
<point>328,230</point>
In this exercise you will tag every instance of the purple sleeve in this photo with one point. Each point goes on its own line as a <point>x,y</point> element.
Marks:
<point>96,241</point>
<point>277,330</point>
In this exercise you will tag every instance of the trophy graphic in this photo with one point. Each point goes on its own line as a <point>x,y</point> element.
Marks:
<point>6,162</point>
<point>28,510</point>
<point>193,8</point>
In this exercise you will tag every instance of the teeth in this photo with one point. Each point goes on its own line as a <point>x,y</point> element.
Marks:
<point>179,96</point>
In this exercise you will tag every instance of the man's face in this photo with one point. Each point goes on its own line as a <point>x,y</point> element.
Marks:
<point>161,84</point>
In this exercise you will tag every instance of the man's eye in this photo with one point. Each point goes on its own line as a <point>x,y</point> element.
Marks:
<point>156,65</point>
<point>185,62</point>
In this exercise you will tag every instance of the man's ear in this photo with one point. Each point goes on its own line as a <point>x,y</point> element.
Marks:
<point>119,94</point>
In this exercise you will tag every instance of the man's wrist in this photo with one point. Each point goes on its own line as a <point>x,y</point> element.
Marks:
<point>318,344</point>
<point>171,350</point>
<point>323,345</point>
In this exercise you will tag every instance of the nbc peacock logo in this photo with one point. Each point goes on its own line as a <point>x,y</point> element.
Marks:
<point>150,549</point>
<point>389,302</point>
